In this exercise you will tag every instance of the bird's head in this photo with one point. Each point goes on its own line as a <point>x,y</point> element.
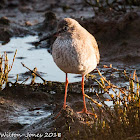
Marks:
<point>67,25</point>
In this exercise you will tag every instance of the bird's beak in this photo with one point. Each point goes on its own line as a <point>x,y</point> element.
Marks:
<point>48,37</point>
<point>56,34</point>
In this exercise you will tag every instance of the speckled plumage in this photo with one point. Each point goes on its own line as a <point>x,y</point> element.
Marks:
<point>75,50</point>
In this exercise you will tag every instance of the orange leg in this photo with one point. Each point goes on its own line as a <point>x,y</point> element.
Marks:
<point>65,97</point>
<point>85,108</point>
<point>66,87</point>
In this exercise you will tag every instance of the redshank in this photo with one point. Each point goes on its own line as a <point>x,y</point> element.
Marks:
<point>75,50</point>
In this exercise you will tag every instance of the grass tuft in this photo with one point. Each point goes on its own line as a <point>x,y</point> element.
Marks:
<point>122,119</point>
<point>5,68</point>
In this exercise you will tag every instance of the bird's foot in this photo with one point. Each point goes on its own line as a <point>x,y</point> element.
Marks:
<point>84,110</point>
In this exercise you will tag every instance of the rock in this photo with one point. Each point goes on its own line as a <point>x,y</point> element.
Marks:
<point>28,23</point>
<point>4,21</point>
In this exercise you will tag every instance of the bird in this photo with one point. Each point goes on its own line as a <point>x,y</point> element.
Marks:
<point>76,51</point>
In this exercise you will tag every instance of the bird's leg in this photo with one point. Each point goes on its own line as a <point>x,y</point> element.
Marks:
<point>65,97</point>
<point>66,87</point>
<point>85,108</point>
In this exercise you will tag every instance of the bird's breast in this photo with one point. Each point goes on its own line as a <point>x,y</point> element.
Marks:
<point>73,55</point>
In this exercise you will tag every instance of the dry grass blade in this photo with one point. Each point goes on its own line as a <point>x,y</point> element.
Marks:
<point>25,80</point>
<point>110,84</point>
<point>138,86</point>
<point>34,73</point>
<point>95,102</point>
<point>33,76</point>
<point>10,67</point>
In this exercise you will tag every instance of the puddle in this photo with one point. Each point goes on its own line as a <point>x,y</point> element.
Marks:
<point>28,117</point>
<point>33,57</point>
<point>109,103</point>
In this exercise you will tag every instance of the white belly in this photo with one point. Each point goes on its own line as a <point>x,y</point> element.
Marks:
<point>71,56</point>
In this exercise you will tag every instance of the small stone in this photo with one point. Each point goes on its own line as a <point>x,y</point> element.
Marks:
<point>28,23</point>
<point>25,9</point>
<point>4,21</point>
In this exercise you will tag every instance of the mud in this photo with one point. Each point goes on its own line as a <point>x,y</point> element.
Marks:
<point>36,100</point>
<point>33,108</point>
<point>37,109</point>
<point>9,29</point>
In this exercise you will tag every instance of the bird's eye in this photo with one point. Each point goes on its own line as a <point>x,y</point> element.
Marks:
<point>65,28</point>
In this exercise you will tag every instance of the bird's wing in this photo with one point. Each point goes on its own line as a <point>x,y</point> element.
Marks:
<point>95,45</point>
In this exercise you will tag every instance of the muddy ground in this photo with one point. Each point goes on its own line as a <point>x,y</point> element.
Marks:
<point>118,37</point>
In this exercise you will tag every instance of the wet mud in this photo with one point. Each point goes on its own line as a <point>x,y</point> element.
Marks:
<point>34,108</point>
<point>37,109</point>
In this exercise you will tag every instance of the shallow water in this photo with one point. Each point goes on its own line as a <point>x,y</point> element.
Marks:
<point>33,57</point>
<point>27,117</point>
